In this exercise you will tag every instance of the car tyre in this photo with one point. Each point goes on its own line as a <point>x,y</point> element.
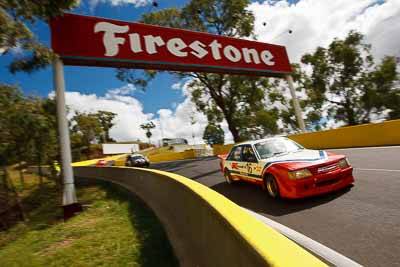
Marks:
<point>128,163</point>
<point>228,177</point>
<point>271,185</point>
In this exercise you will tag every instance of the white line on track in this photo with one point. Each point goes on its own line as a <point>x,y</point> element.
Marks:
<point>361,148</point>
<point>322,251</point>
<point>377,170</point>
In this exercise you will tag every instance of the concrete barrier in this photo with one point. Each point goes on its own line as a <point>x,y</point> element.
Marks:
<point>205,228</point>
<point>222,149</point>
<point>170,156</point>
<point>117,158</point>
<point>365,135</point>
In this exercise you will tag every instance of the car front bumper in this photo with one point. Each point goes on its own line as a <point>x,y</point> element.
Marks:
<point>318,184</point>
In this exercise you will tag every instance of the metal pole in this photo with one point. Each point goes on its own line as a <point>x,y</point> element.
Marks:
<point>296,104</point>
<point>69,195</point>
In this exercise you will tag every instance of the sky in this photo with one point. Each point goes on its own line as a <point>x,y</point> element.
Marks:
<point>166,100</point>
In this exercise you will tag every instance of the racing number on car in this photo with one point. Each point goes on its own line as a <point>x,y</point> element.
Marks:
<point>249,169</point>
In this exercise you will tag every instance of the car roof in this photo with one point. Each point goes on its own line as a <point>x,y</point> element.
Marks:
<point>253,142</point>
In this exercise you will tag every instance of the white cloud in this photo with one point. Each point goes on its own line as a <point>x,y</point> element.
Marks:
<point>317,22</point>
<point>136,3</point>
<point>124,90</point>
<point>130,114</point>
<point>176,86</point>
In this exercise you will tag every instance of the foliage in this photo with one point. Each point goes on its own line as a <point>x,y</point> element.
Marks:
<point>10,97</point>
<point>237,99</point>
<point>214,134</point>
<point>86,129</point>
<point>116,229</point>
<point>15,18</point>
<point>346,84</point>
<point>147,127</point>
<point>106,123</point>
<point>28,128</point>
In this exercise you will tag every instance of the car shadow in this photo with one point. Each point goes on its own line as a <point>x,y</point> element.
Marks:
<point>254,198</point>
<point>202,175</point>
<point>176,166</point>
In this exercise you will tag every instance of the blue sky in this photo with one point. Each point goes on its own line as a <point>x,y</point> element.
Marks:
<point>91,79</point>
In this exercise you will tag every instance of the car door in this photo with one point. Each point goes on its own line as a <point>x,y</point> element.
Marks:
<point>253,168</point>
<point>235,164</point>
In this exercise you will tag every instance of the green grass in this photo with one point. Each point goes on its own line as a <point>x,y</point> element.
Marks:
<point>115,229</point>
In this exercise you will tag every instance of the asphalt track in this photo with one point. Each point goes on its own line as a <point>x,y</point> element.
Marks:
<point>362,222</point>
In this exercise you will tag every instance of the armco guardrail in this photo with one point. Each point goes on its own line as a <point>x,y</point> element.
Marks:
<point>205,228</point>
<point>366,135</point>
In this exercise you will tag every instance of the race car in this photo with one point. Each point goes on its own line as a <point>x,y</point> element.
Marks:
<point>286,169</point>
<point>137,160</point>
<point>103,162</point>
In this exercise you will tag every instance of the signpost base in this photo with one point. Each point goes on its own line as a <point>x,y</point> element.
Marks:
<point>71,210</point>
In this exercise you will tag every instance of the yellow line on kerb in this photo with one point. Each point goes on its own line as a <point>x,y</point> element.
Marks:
<point>275,248</point>
<point>93,161</point>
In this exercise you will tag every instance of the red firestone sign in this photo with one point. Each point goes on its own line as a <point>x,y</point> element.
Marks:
<point>92,41</point>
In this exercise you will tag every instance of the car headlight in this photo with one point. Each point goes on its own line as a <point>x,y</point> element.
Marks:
<point>299,174</point>
<point>344,163</point>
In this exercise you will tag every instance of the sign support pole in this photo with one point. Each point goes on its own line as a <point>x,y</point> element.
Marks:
<point>296,104</point>
<point>70,203</point>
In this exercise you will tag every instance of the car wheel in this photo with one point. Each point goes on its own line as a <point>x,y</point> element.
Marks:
<point>271,186</point>
<point>228,177</point>
<point>128,163</point>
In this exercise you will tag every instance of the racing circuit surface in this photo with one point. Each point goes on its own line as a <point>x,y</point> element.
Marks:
<point>362,223</point>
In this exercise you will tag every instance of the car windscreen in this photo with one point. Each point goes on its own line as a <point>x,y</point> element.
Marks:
<point>271,148</point>
<point>136,157</point>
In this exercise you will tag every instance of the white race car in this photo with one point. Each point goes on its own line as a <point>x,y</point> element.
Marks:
<point>285,168</point>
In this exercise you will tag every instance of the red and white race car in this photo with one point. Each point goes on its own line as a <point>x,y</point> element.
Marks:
<point>285,168</point>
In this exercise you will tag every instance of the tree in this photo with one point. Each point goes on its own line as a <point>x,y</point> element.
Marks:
<point>88,128</point>
<point>10,97</point>
<point>106,123</point>
<point>237,99</point>
<point>15,18</point>
<point>346,84</point>
<point>28,129</point>
<point>147,127</point>
<point>213,134</point>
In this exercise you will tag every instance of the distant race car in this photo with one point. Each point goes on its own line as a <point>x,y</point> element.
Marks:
<point>103,162</point>
<point>137,160</point>
<point>285,168</point>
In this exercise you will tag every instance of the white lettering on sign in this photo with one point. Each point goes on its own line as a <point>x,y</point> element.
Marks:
<point>215,46</point>
<point>232,53</point>
<point>177,47</point>
<point>111,42</point>
<point>198,49</point>
<point>151,42</point>
<point>134,39</point>
<point>254,54</point>
<point>267,58</point>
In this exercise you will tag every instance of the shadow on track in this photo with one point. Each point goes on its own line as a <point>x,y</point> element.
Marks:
<point>254,198</point>
<point>176,166</point>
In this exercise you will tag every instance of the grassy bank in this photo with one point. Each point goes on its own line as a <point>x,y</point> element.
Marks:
<point>115,229</point>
